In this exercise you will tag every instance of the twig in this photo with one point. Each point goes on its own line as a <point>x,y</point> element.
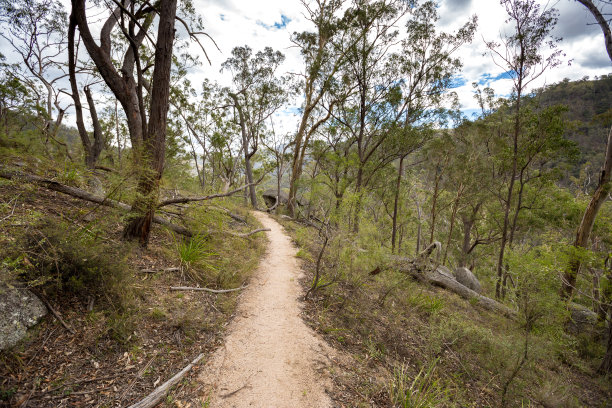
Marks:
<point>246,384</point>
<point>197,289</point>
<point>54,313</point>
<point>153,398</point>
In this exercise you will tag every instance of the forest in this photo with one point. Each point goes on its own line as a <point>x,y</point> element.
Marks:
<point>450,260</point>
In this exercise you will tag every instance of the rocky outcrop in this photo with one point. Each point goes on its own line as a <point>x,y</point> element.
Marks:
<point>19,310</point>
<point>269,197</point>
<point>467,278</point>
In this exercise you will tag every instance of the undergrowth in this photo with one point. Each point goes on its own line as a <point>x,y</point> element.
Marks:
<point>433,349</point>
<point>63,258</point>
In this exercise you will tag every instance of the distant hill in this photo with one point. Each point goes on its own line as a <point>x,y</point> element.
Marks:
<point>590,106</point>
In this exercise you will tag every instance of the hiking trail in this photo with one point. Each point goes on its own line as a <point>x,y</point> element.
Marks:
<point>270,357</point>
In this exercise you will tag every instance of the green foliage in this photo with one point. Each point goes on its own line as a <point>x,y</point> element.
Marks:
<point>423,391</point>
<point>64,258</point>
<point>195,255</point>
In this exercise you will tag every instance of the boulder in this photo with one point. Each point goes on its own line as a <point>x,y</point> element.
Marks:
<point>269,197</point>
<point>581,320</point>
<point>468,279</point>
<point>19,310</point>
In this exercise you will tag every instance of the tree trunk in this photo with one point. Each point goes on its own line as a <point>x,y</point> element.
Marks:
<point>78,108</point>
<point>508,202</point>
<point>98,142</point>
<point>603,23</point>
<point>358,192</point>
<point>588,219</point>
<point>396,202</point>
<point>419,222</point>
<point>122,84</point>
<point>606,364</point>
<point>434,203</point>
<point>248,169</point>
<point>452,222</point>
<point>143,209</point>
<point>296,164</point>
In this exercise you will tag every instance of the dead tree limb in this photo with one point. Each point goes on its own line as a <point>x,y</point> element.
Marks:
<point>172,269</point>
<point>160,392</point>
<point>181,200</point>
<point>54,312</point>
<point>87,196</point>
<point>231,214</point>
<point>248,234</point>
<point>197,289</point>
<point>435,276</point>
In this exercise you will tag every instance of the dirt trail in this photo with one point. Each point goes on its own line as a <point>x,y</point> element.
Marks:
<point>270,357</point>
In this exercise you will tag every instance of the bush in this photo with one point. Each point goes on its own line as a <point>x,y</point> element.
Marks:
<point>64,258</point>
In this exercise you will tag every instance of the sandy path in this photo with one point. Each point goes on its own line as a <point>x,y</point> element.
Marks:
<point>270,357</point>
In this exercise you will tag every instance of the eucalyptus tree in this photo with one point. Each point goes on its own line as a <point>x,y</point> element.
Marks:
<point>279,145</point>
<point>427,69</point>
<point>600,194</point>
<point>14,96</point>
<point>257,93</point>
<point>524,54</point>
<point>604,185</point>
<point>325,51</point>
<point>367,112</point>
<point>148,135</point>
<point>92,148</point>
<point>35,30</point>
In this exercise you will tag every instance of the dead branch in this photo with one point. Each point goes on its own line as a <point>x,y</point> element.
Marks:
<point>231,214</point>
<point>180,200</point>
<point>156,396</point>
<point>87,196</point>
<point>248,234</point>
<point>430,248</point>
<point>198,289</point>
<point>54,312</point>
<point>173,269</point>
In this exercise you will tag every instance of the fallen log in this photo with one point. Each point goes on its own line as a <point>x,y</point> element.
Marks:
<point>87,196</point>
<point>53,311</point>
<point>438,277</point>
<point>198,289</point>
<point>248,234</point>
<point>160,392</point>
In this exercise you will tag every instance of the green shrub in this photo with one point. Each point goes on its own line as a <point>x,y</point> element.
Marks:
<point>424,391</point>
<point>194,253</point>
<point>65,258</point>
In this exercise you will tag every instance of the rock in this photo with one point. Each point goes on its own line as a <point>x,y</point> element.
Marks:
<point>582,319</point>
<point>468,279</point>
<point>269,197</point>
<point>19,310</point>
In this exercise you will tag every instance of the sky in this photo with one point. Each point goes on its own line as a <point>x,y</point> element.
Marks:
<point>271,22</point>
<point>264,23</point>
